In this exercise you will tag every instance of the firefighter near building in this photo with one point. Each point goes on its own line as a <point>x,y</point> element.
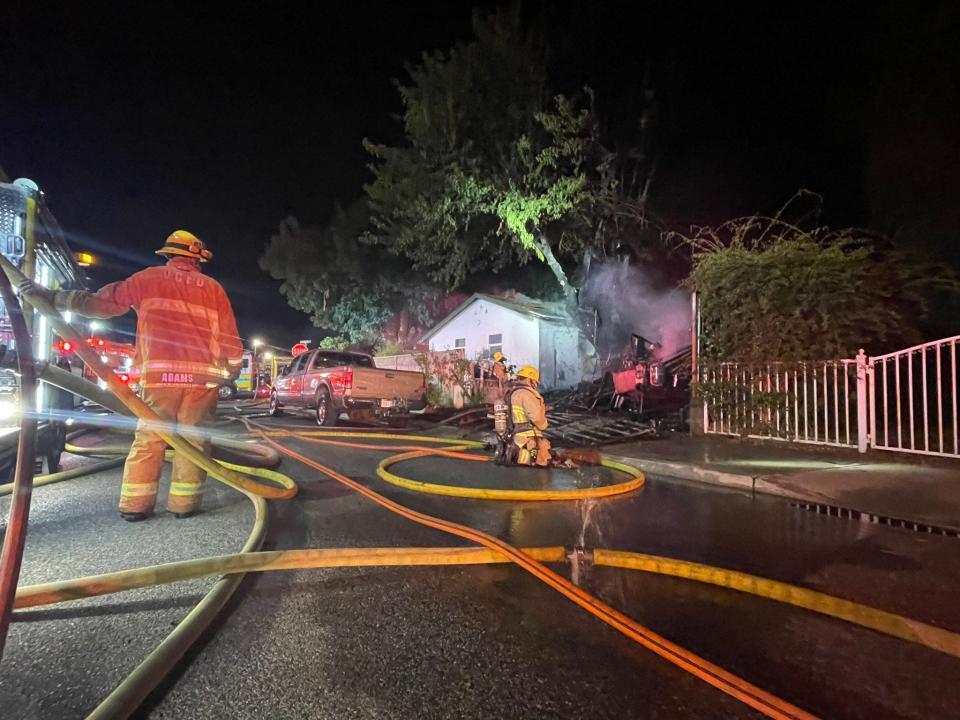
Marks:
<point>187,347</point>
<point>519,421</point>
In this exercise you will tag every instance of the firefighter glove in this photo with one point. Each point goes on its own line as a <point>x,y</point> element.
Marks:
<point>29,287</point>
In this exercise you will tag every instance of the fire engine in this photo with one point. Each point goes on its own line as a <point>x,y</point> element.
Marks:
<point>32,240</point>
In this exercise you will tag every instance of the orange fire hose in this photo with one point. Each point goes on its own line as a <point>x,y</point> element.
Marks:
<point>757,698</point>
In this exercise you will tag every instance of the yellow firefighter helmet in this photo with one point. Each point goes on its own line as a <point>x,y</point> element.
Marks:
<point>185,244</point>
<point>498,356</point>
<point>529,372</point>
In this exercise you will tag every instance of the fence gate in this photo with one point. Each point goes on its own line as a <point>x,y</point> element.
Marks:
<point>905,401</point>
<point>913,399</point>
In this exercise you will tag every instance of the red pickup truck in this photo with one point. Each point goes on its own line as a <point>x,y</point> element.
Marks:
<point>332,383</point>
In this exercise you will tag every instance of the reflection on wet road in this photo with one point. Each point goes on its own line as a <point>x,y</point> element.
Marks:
<point>485,641</point>
<point>824,665</point>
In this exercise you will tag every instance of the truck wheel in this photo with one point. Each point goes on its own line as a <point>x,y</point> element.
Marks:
<point>326,414</point>
<point>274,405</point>
<point>227,392</point>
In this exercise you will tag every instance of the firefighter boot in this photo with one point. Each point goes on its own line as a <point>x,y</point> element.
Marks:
<point>141,475</point>
<point>133,516</point>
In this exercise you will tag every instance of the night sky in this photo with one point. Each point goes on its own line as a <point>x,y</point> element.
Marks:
<point>221,120</point>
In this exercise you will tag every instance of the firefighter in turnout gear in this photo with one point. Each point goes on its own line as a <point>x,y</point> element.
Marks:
<point>529,415</point>
<point>187,347</point>
<point>499,370</point>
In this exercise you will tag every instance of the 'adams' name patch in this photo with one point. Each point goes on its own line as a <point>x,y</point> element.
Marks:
<point>176,378</point>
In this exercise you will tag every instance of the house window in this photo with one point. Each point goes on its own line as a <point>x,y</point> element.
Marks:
<point>496,343</point>
<point>460,343</point>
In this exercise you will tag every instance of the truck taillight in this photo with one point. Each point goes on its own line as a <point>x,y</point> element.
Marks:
<point>348,379</point>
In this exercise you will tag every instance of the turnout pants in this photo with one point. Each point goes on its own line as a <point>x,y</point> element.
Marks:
<point>190,408</point>
<point>534,448</point>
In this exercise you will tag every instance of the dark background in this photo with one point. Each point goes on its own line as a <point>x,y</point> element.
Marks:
<point>140,120</point>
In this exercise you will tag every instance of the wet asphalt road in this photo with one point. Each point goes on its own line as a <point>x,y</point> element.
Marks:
<point>481,642</point>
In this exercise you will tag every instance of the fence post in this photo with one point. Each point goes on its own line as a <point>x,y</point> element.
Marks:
<point>863,402</point>
<point>699,419</point>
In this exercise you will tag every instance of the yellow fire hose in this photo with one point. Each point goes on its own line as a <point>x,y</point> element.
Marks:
<point>634,483</point>
<point>884,622</point>
<point>889,623</point>
<point>324,437</point>
<point>76,472</point>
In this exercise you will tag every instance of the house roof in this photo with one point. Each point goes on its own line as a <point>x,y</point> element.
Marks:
<point>529,308</point>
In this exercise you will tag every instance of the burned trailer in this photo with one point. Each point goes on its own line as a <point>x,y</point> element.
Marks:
<point>648,385</point>
<point>639,393</point>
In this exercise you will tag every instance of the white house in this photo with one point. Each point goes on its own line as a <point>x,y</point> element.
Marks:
<point>525,331</point>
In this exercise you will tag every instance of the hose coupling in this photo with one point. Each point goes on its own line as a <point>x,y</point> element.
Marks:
<point>579,555</point>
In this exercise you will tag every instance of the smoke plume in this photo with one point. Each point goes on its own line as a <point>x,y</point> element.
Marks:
<point>628,299</point>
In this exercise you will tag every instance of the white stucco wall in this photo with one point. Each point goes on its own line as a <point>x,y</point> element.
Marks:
<point>561,366</point>
<point>521,336</point>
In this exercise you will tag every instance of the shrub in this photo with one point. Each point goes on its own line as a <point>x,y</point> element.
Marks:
<point>770,290</point>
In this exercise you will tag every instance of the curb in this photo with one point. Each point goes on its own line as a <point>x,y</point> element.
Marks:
<point>695,473</point>
<point>757,484</point>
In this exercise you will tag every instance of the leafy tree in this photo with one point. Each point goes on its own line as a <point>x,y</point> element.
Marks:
<point>771,290</point>
<point>343,283</point>
<point>492,172</point>
<point>334,342</point>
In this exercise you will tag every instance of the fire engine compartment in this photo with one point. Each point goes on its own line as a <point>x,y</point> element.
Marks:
<point>31,238</point>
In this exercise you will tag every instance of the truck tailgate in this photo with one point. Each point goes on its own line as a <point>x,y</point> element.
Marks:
<point>379,384</point>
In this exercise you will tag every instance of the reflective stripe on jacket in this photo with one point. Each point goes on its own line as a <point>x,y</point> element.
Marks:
<point>528,410</point>
<point>186,331</point>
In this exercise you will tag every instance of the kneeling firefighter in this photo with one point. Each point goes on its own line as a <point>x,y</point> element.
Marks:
<point>524,439</point>
<point>187,347</point>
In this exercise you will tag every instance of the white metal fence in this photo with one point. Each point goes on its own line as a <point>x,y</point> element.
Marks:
<point>913,399</point>
<point>905,401</point>
<point>811,402</point>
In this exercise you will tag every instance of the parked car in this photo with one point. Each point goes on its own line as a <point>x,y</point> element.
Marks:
<point>331,383</point>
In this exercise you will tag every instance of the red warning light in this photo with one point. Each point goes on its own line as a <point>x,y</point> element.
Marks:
<point>65,346</point>
<point>123,377</point>
<point>100,342</point>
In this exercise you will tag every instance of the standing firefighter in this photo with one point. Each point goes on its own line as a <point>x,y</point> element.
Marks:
<point>187,346</point>
<point>499,370</point>
<point>529,414</point>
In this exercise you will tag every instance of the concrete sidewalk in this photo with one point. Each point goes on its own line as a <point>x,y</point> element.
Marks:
<point>912,488</point>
